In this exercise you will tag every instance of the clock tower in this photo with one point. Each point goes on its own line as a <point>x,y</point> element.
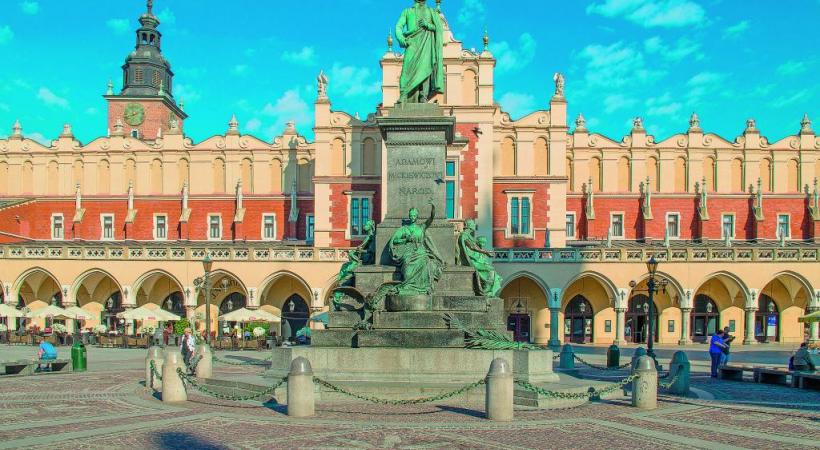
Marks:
<point>145,107</point>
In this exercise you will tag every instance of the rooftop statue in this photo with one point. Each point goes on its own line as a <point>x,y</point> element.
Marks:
<point>421,33</point>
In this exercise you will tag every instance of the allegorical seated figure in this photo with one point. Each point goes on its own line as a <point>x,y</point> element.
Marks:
<point>420,32</point>
<point>363,254</point>
<point>416,255</point>
<point>473,254</point>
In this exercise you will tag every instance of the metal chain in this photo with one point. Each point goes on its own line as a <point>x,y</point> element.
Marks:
<point>591,392</point>
<point>413,401</point>
<point>671,382</point>
<point>600,367</point>
<point>191,381</point>
<point>154,371</point>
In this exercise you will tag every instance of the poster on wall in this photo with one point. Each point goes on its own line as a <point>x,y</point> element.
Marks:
<point>771,325</point>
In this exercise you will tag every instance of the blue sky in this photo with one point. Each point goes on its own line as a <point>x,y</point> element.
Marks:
<point>661,59</point>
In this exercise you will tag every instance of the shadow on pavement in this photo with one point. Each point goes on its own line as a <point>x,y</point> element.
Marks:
<point>462,411</point>
<point>180,440</point>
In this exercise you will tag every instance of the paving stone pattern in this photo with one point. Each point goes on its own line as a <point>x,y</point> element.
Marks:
<point>112,409</point>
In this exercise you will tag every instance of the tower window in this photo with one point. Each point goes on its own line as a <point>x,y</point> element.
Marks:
<point>135,134</point>
<point>144,38</point>
<point>151,41</point>
<point>156,78</point>
<point>138,75</point>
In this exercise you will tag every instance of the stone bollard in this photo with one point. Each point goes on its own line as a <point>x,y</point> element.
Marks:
<point>679,371</point>
<point>567,358</point>
<point>155,355</point>
<point>613,356</point>
<point>645,387</point>
<point>301,401</point>
<point>498,400</point>
<point>205,364</point>
<point>640,351</point>
<point>173,388</point>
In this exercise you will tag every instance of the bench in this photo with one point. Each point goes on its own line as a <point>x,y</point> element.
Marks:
<point>806,380</point>
<point>771,376</point>
<point>29,367</point>
<point>734,372</point>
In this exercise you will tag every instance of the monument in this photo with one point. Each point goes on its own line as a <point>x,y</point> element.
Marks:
<point>413,289</point>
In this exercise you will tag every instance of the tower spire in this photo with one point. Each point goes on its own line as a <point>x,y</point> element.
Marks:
<point>149,7</point>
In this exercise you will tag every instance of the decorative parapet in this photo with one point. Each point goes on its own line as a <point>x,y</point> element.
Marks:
<point>692,254</point>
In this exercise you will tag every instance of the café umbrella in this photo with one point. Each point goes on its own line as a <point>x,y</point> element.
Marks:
<point>78,313</point>
<point>10,311</point>
<point>55,312</point>
<point>144,313</point>
<point>809,318</point>
<point>244,315</point>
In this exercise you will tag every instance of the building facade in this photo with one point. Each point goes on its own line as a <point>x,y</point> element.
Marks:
<point>125,220</point>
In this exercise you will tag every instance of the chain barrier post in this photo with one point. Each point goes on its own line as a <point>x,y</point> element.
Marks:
<point>301,401</point>
<point>679,371</point>
<point>613,356</point>
<point>567,358</point>
<point>645,387</point>
<point>205,364</point>
<point>155,357</point>
<point>498,401</point>
<point>640,351</point>
<point>173,388</point>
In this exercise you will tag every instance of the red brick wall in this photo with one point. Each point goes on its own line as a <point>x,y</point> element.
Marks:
<point>468,171</point>
<point>540,200</point>
<point>157,116</point>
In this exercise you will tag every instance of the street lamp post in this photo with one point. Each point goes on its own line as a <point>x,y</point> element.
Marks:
<point>653,287</point>
<point>207,264</point>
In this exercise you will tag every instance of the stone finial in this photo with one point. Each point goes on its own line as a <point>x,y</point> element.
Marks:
<point>185,195</point>
<point>130,195</point>
<point>119,130</point>
<point>390,41</point>
<point>486,40</point>
<point>290,127</point>
<point>17,130</point>
<point>558,78</point>
<point>78,197</point>
<point>182,103</point>
<point>637,124</point>
<point>805,125</point>
<point>580,123</point>
<point>110,89</point>
<point>174,125</point>
<point>694,122</point>
<point>233,125</point>
<point>751,125</point>
<point>66,131</point>
<point>239,196</point>
<point>321,85</point>
<point>161,87</point>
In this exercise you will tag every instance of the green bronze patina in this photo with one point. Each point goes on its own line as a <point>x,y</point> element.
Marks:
<point>421,33</point>
<point>472,253</point>
<point>416,255</point>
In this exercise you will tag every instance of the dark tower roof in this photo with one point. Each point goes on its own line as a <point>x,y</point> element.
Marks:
<point>146,72</point>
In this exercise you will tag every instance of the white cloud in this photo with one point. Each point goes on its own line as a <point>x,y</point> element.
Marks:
<point>662,106</point>
<point>352,81</point>
<point>5,34</point>
<point>517,104</point>
<point>29,7</point>
<point>683,47</point>
<point>513,58</point>
<point>736,30</point>
<point>290,106</point>
<point>306,56</point>
<point>240,69</point>
<point>118,25</point>
<point>706,79</point>
<point>616,66</point>
<point>786,100</point>
<point>791,68</point>
<point>185,91</point>
<point>39,138</point>
<point>166,16</point>
<point>253,125</point>
<point>615,102</point>
<point>471,12</point>
<point>50,98</point>
<point>91,111</point>
<point>651,13</point>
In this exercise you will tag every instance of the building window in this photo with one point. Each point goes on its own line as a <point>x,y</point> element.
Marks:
<point>359,214</point>
<point>57,228</point>
<point>309,225</point>
<point>107,223</point>
<point>269,227</point>
<point>616,225</point>
<point>155,78</point>
<point>520,216</point>
<point>783,227</point>
<point>214,227</point>
<point>673,225</point>
<point>728,226</point>
<point>138,76</point>
<point>160,227</point>
<point>571,226</point>
<point>135,134</point>
<point>451,187</point>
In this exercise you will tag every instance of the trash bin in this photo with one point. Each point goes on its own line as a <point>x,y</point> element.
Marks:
<point>78,357</point>
<point>613,356</point>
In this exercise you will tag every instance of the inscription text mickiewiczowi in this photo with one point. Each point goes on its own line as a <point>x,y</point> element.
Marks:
<point>414,176</point>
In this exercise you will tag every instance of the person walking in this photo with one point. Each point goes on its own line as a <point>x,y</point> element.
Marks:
<point>187,347</point>
<point>716,346</point>
<point>727,339</point>
<point>801,361</point>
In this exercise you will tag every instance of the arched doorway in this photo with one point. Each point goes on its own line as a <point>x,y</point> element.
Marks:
<point>637,323</point>
<point>37,289</point>
<point>578,316</point>
<point>92,291</point>
<point>705,318</point>
<point>232,302</point>
<point>295,314</point>
<point>767,319</point>
<point>112,307</point>
<point>174,303</point>
<point>525,306</point>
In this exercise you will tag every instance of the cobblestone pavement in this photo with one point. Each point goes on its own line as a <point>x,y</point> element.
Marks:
<point>112,409</point>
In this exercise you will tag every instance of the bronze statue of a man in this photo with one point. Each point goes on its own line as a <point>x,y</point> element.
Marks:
<point>420,31</point>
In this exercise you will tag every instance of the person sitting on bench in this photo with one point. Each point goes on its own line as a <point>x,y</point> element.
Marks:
<point>801,361</point>
<point>46,352</point>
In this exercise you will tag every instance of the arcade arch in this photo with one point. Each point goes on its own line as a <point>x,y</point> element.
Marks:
<point>288,296</point>
<point>587,313</point>
<point>782,301</point>
<point>97,292</point>
<point>726,294</point>
<point>525,308</point>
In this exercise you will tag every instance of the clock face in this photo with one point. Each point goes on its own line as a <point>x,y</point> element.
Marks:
<point>134,114</point>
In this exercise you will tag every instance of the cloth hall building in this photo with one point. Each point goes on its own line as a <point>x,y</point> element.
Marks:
<point>125,220</point>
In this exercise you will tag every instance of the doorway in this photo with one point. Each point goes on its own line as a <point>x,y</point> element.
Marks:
<point>519,324</point>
